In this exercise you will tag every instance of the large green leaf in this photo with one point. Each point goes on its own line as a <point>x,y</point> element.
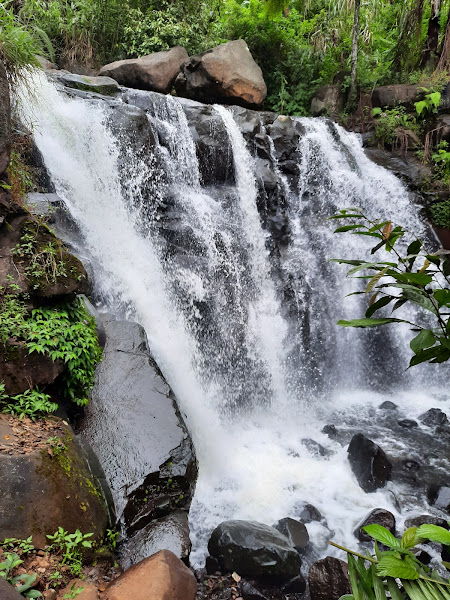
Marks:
<point>428,354</point>
<point>417,278</point>
<point>410,538</point>
<point>424,339</point>
<point>369,322</point>
<point>377,305</point>
<point>390,566</point>
<point>383,535</point>
<point>442,297</point>
<point>347,228</point>
<point>434,533</point>
<point>418,298</point>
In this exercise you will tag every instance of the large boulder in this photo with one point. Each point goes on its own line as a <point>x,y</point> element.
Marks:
<point>253,549</point>
<point>225,74</point>
<point>389,96</point>
<point>155,72</point>
<point>46,483</point>
<point>100,85</point>
<point>328,579</point>
<point>369,463</point>
<point>134,426</point>
<point>5,120</point>
<point>160,577</point>
<point>327,100</point>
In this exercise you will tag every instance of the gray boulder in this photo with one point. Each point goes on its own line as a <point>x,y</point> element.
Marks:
<point>155,72</point>
<point>5,120</point>
<point>328,100</point>
<point>100,85</point>
<point>225,74</point>
<point>369,463</point>
<point>8,592</point>
<point>134,426</point>
<point>389,96</point>
<point>255,550</point>
<point>295,531</point>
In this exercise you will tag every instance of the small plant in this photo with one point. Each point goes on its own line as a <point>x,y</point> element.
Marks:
<point>74,592</point>
<point>32,403</point>
<point>70,546</point>
<point>26,546</point>
<point>396,573</point>
<point>56,446</point>
<point>391,124</point>
<point>429,105</point>
<point>440,213</point>
<point>441,162</point>
<point>24,582</point>
<point>111,538</point>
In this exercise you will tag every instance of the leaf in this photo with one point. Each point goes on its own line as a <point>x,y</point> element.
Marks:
<point>417,298</point>
<point>410,538</point>
<point>378,585</point>
<point>415,278</point>
<point>424,339</point>
<point>414,247</point>
<point>347,228</point>
<point>368,322</point>
<point>425,355</point>
<point>383,535</point>
<point>442,297</point>
<point>434,533</point>
<point>390,566</point>
<point>387,230</point>
<point>353,577</point>
<point>400,302</point>
<point>393,589</point>
<point>362,266</point>
<point>375,279</point>
<point>377,305</point>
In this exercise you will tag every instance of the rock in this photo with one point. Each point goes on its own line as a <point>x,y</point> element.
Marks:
<point>422,519</point>
<point>160,577</point>
<point>155,72</point>
<point>295,531</point>
<point>253,549</point>
<point>41,492</point>
<point>330,431</point>
<point>8,592</point>
<point>309,513</point>
<point>225,74</point>
<point>100,85</point>
<point>327,100</point>
<point>439,497</point>
<point>297,585</point>
<point>369,463</point>
<point>212,565</point>
<point>168,533</point>
<point>20,370</point>
<point>134,426</point>
<point>42,205</point>
<point>407,423</point>
<point>388,405</point>
<point>433,417</point>
<point>45,63</point>
<point>389,96</point>
<point>315,448</point>
<point>328,579</point>
<point>248,592</point>
<point>378,516</point>
<point>88,590</point>
<point>5,120</point>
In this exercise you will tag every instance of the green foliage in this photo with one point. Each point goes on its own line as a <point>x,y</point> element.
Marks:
<point>389,122</point>
<point>111,538</point>
<point>74,592</point>
<point>421,278</point>
<point>32,403</point>
<point>396,573</point>
<point>441,171</point>
<point>25,546</point>
<point>70,547</point>
<point>429,104</point>
<point>24,582</point>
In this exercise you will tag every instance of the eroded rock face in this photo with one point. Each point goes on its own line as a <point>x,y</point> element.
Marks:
<point>254,550</point>
<point>160,577</point>
<point>378,516</point>
<point>42,491</point>
<point>155,72</point>
<point>5,120</point>
<point>389,96</point>
<point>136,430</point>
<point>224,74</point>
<point>328,579</point>
<point>369,463</point>
<point>328,100</point>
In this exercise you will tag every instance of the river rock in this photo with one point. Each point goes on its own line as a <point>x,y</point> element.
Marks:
<point>42,491</point>
<point>433,417</point>
<point>327,100</point>
<point>137,431</point>
<point>100,85</point>
<point>369,463</point>
<point>307,513</point>
<point>439,497</point>
<point>378,516</point>
<point>8,592</point>
<point>155,72</point>
<point>5,120</point>
<point>388,405</point>
<point>429,519</point>
<point>295,531</point>
<point>225,74</point>
<point>253,549</point>
<point>160,577</point>
<point>407,423</point>
<point>328,579</point>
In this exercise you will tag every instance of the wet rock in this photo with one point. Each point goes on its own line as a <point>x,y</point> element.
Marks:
<point>42,205</point>
<point>388,405</point>
<point>389,96</point>
<point>328,101</point>
<point>136,430</point>
<point>439,496</point>
<point>315,448</point>
<point>8,592</point>
<point>330,431</point>
<point>407,423</point>
<point>225,74</point>
<point>5,120</point>
<point>422,519</point>
<point>378,516</point>
<point>159,577</point>
<point>309,513</point>
<point>328,579</point>
<point>68,494</point>
<point>45,63</point>
<point>297,585</point>
<point>100,85</point>
<point>212,565</point>
<point>168,533</point>
<point>254,550</point>
<point>155,72</point>
<point>369,463</point>
<point>295,531</point>
<point>248,592</point>
<point>433,417</point>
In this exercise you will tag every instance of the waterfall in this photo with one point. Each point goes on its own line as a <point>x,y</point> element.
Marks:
<point>243,328</point>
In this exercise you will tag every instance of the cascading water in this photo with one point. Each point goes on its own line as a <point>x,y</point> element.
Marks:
<point>244,335</point>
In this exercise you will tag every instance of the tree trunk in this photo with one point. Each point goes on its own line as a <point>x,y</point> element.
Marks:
<point>431,43</point>
<point>352,95</point>
<point>444,50</point>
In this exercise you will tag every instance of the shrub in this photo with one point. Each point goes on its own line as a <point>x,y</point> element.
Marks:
<point>440,213</point>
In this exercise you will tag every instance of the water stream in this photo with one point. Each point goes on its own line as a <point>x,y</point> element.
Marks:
<point>245,336</point>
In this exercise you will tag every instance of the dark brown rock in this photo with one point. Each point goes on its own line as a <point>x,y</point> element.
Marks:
<point>295,531</point>
<point>389,96</point>
<point>328,100</point>
<point>328,579</point>
<point>369,463</point>
<point>426,519</point>
<point>225,74</point>
<point>5,120</point>
<point>7,592</point>
<point>155,72</point>
<point>162,576</point>
<point>378,516</point>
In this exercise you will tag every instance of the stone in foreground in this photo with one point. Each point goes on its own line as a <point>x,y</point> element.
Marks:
<point>154,72</point>
<point>369,463</point>
<point>378,516</point>
<point>160,577</point>
<point>8,592</point>
<point>254,550</point>
<point>295,531</point>
<point>225,74</point>
<point>328,579</point>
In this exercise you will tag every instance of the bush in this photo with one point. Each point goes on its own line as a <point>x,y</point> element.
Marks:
<point>440,214</point>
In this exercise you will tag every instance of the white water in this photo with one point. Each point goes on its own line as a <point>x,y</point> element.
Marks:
<point>253,464</point>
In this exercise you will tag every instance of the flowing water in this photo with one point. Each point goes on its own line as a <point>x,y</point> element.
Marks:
<point>243,328</point>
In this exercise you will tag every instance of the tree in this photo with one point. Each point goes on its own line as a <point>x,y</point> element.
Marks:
<point>352,94</point>
<point>417,277</point>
